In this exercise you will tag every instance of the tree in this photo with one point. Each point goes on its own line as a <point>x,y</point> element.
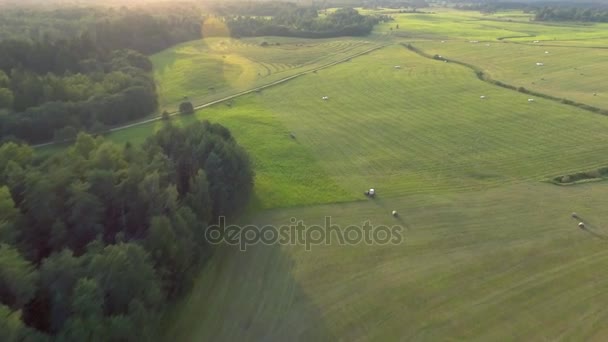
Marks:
<point>198,197</point>
<point>11,326</point>
<point>85,216</point>
<point>124,273</point>
<point>186,107</point>
<point>59,274</point>
<point>18,278</point>
<point>6,98</point>
<point>87,321</point>
<point>8,215</point>
<point>165,116</point>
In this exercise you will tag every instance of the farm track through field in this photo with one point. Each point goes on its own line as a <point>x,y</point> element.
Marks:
<point>233,96</point>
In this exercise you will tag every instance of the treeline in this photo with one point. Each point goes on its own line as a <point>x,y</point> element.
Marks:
<point>53,88</point>
<point>563,13</point>
<point>146,29</point>
<point>292,21</point>
<point>94,242</point>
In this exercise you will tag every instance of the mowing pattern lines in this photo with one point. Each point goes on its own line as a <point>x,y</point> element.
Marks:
<point>424,128</point>
<point>568,72</point>
<point>213,68</point>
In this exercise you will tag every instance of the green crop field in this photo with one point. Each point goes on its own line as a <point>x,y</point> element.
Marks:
<point>490,251</point>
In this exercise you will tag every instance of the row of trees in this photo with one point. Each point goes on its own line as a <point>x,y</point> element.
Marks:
<point>305,22</point>
<point>94,242</point>
<point>51,88</point>
<point>561,13</point>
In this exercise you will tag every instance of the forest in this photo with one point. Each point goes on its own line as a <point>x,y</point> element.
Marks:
<point>95,242</point>
<point>58,79</point>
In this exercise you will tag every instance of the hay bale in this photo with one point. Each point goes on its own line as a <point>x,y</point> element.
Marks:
<point>574,215</point>
<point>530,100</point>
<point>483,97</point>
<point>581,225</point>
<point>394,213</point>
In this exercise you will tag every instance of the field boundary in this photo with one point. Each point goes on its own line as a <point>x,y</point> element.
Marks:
<point>227,98</point>
<point>484,76</point>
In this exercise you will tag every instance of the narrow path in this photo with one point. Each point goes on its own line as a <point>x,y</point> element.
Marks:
<point>256,89</point>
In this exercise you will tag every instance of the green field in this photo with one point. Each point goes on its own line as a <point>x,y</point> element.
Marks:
<point>490,251</point>
<point>568,72</point>
<point>214,68</point>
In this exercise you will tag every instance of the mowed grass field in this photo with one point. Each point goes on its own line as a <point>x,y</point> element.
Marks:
<point>508,45</point>
<point>490,251</point>
<point>506,264</point>
<point>574,73</point>
<point>471,25</point>
<point>213,68</point>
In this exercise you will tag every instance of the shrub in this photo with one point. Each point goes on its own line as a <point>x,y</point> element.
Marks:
<point>186,107</point>
<point>165,116</point>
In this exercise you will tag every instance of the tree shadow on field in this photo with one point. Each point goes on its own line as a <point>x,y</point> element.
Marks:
<point>249,296</point>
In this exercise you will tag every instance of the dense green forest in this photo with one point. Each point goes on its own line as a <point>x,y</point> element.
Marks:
<point>94,242</point>
<point>83,69</point>
<point>293,21</point>
<point>563,13</point>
